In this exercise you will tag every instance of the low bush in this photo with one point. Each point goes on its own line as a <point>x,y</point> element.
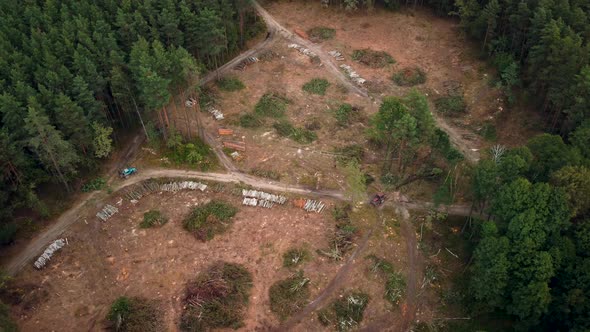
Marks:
<point>321,33</point>
<point>271,105</point>
<point>346,154</point>
<point>153,218</point>
<point>217,298</point>
<point>286,129</point>
<point>488,131</point>
<point>250,121</point>
<point>210,219</point>
<point>289,295</point>
<point>134,314</point>
<point>342,239</point>
<point>371,58</point>
<point>266,173</point>
<point>346,114</point>
<point>230,84</point>
<point>409,76</point>
<point>395,284</point>
<point>8,233</point>
<point>94,184</point>
<point>450,105</point>
<point>345,312</point>
<point>295,257</point>
<point>317,86</point>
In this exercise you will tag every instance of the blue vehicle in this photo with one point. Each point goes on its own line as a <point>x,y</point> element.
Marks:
<point>127,172</point>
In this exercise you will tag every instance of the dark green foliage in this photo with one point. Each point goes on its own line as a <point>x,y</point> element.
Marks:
<point>321,33</point>
<point>395,284</point>
<point>488,131</point>
<point>294,257</point>
<point>230,84</point>
<point>346,312</point>
<point>210,219</point>
<point>317,86</point>
<point>299,135</point>
<point>550,153</point>
<point>6,322</point>
<point>451,105</point>
<point>440,142</point>
<point>134,314</point>
<point>153,218</point>
<point>217,298</point>
<point>271,105</point>
<point>371,58</point>
<point>289,295</point>
<point>7,233</point>
<point>266,173</point>
<point>346,114</point>
<point>409,76</point>
<point>250,121</point>
<point>94,184</point>
<point>346,154</point>
<point>194,153</point>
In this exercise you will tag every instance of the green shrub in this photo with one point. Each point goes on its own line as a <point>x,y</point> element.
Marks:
<point>395,284</point>
<point>217,298</point>
<point>409,76</point>
<point>153,218</point>
<point>8,233</point>
<point>271,105</point>
<point>6,322</point>
<point>450,104</point>
<point>286,129</point>
<point>266,173</point>
<point>230,84</point>
<point>294,257</point>
<point>250,121</point>
<point>488,131</point>
<point>346,312</point>
<point>195,153</point>
<point>95,184</point>
<point>321,33</point>
<point>134,314</point>
<point>346,114</point>
<point>346,154</point>
<point>289,295</point>
<point>210,219</point>
<point>442,144</point>
<point>316,86</point>
<point>371,58</point>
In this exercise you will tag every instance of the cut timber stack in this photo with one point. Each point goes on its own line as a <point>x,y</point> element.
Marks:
<point>225,132</point>
<point>240,146</point>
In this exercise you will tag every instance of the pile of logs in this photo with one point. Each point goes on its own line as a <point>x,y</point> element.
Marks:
<point>242,65</point>
<point>216,113</point>
<point>279,199</point>
<point>107,212</point>
<point>303,50</point>
<point>46,255</point>
<point>353,74</point>
<point>145,188</point>
<point>251,201</point>
<point>314,206</point>
<point>337,55</point>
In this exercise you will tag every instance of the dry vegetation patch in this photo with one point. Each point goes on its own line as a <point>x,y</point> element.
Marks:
<point>409,76</point>
<point>134,314</point>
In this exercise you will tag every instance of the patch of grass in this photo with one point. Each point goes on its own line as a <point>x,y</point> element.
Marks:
<point>409,76</point>
<point>348,153</point>
<point>317,86</point>
<point>395,283</point>
<point>451,105</point>
<point>346,114</point>
<point>6,322</point>
<point>289,295</point>
<point>210,219</point>
<point>230,84</point>
<point>266,173</point>
<point>153,218</point>
<point>488,131</point>
<point>300,135</point>
<point>271,105</point>
<point>321,33</point>
<point>346,312</point>
<point>342,239</point>
<point>372,58</point>
<point>195,153</point>
<point>249,120</point>
<point>134,314</point>
<point>94,184</point>
<point>294,257</point>
<point>217,298</point>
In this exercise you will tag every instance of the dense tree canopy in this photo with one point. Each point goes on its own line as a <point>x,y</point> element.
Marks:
<point>73,73</point>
